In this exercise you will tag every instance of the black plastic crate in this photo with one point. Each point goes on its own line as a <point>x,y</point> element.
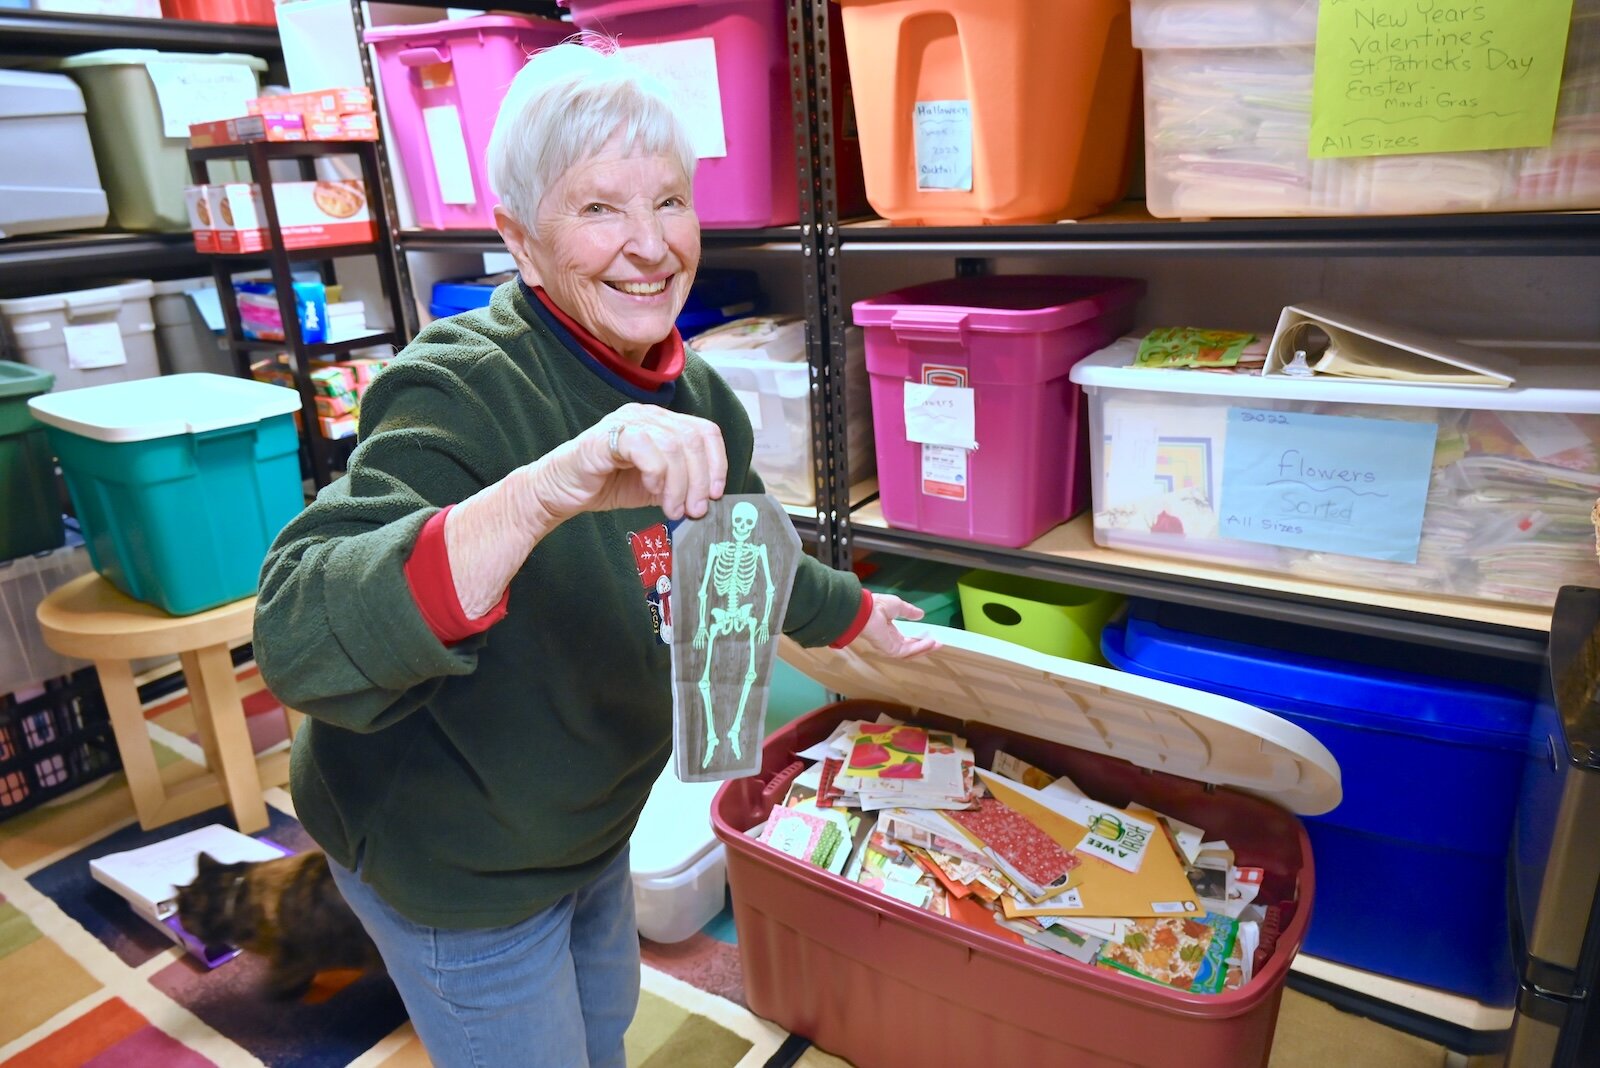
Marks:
<point>54,742</point>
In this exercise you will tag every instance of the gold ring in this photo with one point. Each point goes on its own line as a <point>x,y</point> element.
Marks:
<point>616,432</point>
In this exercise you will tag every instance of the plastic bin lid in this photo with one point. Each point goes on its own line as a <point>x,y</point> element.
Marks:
<point>182,285</point>
<point>123,57</point>
<point>29,93</point>
<point>461,27</point>
<point>674,830</point>
<point>1551,378</point>
<point>78,298</point>
<point>18,380</point>
<point>1152,724</point>
<point>1005,303</point>
<point>163,407</point>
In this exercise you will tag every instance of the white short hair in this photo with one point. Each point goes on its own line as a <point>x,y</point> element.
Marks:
<point>564,104</point>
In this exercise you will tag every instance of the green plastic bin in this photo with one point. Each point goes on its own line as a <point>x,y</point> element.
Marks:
<point>143,159</point>
<point>30,519</point>
<point>180,483</point>
<point>928,585</point>
<point>1048,617</point>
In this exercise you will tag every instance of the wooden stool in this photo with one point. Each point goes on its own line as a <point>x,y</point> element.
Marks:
<point>91,619</point>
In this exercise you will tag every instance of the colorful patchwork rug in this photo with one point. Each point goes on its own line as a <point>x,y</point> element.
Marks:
<point>88,983</point>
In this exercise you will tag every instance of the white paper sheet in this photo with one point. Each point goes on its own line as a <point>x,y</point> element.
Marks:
<point>94,345</point>
<point>942,130</point>
<point>941,415</point>
<point>689,71</point>
<point>199,92</point>
<point>448,146</point>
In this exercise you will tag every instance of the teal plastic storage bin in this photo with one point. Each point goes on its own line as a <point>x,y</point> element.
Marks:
<point>30,507</point>
<point>180,483</point>
<point>929,586</point>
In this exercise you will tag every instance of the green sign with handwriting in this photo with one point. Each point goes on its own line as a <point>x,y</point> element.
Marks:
<point>1395,77</point>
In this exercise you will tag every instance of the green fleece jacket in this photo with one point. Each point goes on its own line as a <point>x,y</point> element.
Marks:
<point>479,783</point>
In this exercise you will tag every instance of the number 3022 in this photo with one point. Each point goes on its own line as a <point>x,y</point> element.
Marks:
<point>1274,418</point>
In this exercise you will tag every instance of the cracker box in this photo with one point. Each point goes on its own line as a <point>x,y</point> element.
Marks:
<point>200,219</point>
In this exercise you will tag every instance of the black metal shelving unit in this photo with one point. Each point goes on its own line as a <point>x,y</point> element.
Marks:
<point>52,33</point>
<point>325,456</point>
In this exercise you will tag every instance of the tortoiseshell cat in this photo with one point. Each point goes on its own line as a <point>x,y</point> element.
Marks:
<point>287,910</point>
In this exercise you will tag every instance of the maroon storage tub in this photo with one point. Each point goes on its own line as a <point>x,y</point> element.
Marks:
<point>884,985</point>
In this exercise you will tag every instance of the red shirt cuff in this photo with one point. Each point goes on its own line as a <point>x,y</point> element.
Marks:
<point>433,587</point>
<point>858,624</point>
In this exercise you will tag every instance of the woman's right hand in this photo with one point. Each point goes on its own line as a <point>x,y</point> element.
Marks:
<point>637,456</point>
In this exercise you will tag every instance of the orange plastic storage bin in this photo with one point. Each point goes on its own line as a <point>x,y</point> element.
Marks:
<point>992,111</point>
<point>253,12</point>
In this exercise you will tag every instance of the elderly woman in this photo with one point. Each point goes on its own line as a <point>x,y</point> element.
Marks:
<point>462,616</point>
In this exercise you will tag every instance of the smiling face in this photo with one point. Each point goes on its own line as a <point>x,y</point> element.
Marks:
<point>615,246</point>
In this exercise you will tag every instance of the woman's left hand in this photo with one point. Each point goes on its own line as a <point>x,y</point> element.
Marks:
<point>884,637</point>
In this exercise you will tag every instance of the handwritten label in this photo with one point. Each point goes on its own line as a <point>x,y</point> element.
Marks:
<point>188,93</point>
<point>94,345</point>
<point>1327,483</point>
<point>1395,77</point>
<point>688,69</point>
<point>940,415</point>
<point>943,143</point>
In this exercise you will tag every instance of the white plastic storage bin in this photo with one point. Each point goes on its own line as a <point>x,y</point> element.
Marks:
<point>1505,504</point>
<point>25,660</point>
<point>141,103</point>
<point>184,340</point>
<point>680,871</point>
<point>1227,90</point>
<point>87,337</point>
<point>764,360</point>
<point>48,179</point>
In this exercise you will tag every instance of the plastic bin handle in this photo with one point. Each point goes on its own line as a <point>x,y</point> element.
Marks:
<point>939,325</point>
<point>424,56</point>
<point>81,306</point>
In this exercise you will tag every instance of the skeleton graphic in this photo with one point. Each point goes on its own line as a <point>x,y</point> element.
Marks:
<point>731,573</point>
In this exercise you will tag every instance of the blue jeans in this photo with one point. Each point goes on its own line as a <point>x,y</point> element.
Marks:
<point>557,990</point>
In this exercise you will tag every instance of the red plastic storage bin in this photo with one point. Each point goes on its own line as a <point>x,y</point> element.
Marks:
<point>886,985</point>
<point>252,12</point>
<point>1012,341</point>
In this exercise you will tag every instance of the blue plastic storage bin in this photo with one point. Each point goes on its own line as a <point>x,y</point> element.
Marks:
<point>455,295</point>
<point>180,483</point>
<point>1411,867</point>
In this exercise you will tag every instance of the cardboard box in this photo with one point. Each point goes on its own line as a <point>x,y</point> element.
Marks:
<point>322,102</point>
<point>200,219</point>
<point>240,218</point>
<point>248,129</point>
<point>310,215</point>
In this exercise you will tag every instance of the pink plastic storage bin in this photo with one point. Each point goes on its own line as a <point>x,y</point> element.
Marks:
<point>465,66</point>
<point>754,184</point>
<point>1012,339</point>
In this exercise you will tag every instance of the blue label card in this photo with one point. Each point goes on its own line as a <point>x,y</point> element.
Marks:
<point>1326,483</point>
<point>943,141</point>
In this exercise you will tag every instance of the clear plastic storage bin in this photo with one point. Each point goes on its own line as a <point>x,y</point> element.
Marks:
<point>764,361</point>
<point>141,135</point>
<point>87,337</point>
<point>48,179</point>
<point>25,660</point>
<point>1227,91</point>
<point>1515,471</point>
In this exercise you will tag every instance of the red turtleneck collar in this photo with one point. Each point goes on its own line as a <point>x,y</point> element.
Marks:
<point>662,364</point>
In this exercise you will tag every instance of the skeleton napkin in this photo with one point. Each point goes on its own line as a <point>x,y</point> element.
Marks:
<point>732,572</point>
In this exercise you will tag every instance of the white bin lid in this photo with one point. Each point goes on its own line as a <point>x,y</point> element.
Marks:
<point>126,57</point>
<point>674,831</point>
<point>27,93</point>
<point>95,301</point>
<point>163,407</point>
<point>1152,724</point>
<point>1551,377</point>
